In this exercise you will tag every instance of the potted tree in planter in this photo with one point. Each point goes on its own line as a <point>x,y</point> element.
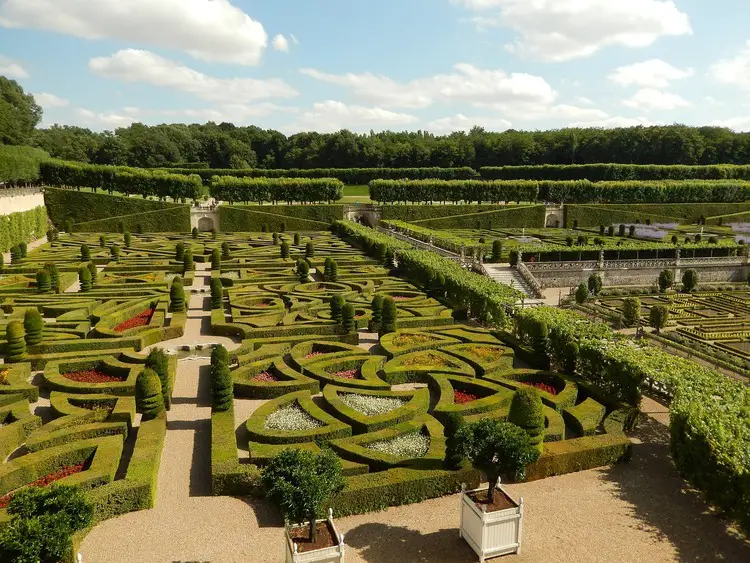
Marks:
<point>491,521</point>
<point>301,483</point>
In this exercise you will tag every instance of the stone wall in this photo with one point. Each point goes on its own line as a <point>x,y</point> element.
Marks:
<point>16,200</point>
<point>646,276</point>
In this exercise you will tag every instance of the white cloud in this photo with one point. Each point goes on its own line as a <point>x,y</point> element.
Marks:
<point>559,30</point>
<point>47,100</point>
<point>584,101</point>
<point>654,73</point>
<point>100,120</point>
<point>210,30</point>
<point>469,84</point>
<point>735,70</point>
<point>741,124</point>
<point>231,113</point>
<point>132,65</point>
<point>11,69</point>
<point>280,43</point>
<point>330,116</point>
<point>294,39</point>
<point>648,99</point>
<point>615,121</point>
<point>460,122</point>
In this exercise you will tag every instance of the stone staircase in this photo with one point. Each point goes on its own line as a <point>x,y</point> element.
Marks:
<point>508,276</point>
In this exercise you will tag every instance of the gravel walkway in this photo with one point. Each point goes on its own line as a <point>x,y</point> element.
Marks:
<point>638,511</point>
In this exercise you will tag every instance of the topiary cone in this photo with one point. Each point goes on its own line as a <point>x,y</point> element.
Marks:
<point>158,361</point>
<point>177,295</point>
<point>148,394</point>
<point>42,281</point>
<point>16,349</point>
<point>84,278</point>
<point>33,324</point>
<point>526,411</point>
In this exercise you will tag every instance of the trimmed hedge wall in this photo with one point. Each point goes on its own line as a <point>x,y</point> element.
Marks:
<point>92,212</point>
<point>228,476</point>
<point>251,219</point>
<point>468,216</point>
<point>305,190</point>
<point>595,215</point>
<point>24,226</point>
<point>616,172</point>
<point>20,165</point>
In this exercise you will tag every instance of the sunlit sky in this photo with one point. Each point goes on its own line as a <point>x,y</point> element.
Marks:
<point>324,65</point>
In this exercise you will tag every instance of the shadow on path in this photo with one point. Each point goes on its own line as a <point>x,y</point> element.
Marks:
<point>667,507</point>
<point>380,543</point>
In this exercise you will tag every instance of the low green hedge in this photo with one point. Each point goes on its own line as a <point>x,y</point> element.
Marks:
<point>368,366</point>
<point>17,376</point>
<point>504,217</point>
<point>90,209</point>
<point>228,475</point>
<point>578,454</point>
<point>492,396</point>
<point>14,433</point>
<point>290,380</point>
<point>585,417</point>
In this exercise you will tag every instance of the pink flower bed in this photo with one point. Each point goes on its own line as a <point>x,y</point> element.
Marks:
<point>348,374</point>
<point>266,377</point>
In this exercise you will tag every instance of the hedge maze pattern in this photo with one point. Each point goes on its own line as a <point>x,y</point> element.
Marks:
<point>380,410</point>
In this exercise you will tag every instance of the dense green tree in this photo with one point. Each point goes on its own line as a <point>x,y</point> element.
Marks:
<point>582,293</point>
<point>216,259</point>
<point>187,261</point>
<point>666,280</point>
<point>631,311</point>
<point>85,253</point>
<point>94,272</point>
<point>303,271</point>
<point>595,284</point>
<point>347,319</point>
<point>54,276</point>
<point>179,252</point>
<point>658,317</point>
<point>285,250</point>
<point>497,250</point>
<point>689,281</point>
<point>309,250</point>
<point>19,113</point>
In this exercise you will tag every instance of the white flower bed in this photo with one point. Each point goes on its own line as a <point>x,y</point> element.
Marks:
<point>231,275</point>
<point>291,418</point>
<point>371,405</point>
<point>413,444</point>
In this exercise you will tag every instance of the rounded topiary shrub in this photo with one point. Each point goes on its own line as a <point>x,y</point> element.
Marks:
<point>148,394</point>
<point>275,238</point>
<point>15,254</point>
<point>309,250</point>
<point>158,361</point>
<point>42,281</point>
<point>84,279</point>
<point>285,249</point>
<point>453,447</point>
<point>33,325</point>
<point>177,295</point>
<point>85,253</point>
<point>303,271</point>
<point>179,252</point>
<point>216,259</point>
<point>217,293</point>
<point>187,261</point>
<point>390,313</point>
<point>114,251</point>
<point>526,412</point>
<point>14,334</point>
<point>225,253</point>
<point>222,385</point>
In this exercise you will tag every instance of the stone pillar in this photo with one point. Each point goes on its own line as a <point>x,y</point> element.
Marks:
<point>601,259</point>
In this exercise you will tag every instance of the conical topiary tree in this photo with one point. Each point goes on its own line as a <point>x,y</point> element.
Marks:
<point>285,249</point>
<point>216,259</point>
<point>453,451</point>
<point>309,250</point>
<point>179,251</point>
<point>333,275</point>
<point>275,238</point>
<point>297,239</point>
<point>347,319</point>
<point>327,268</point>
<point>126,239</point>
<point>187,261</point>
<point>16,349</point>
<point>526,412</point>
<point>84,279</point>
<point>225,253</point>
<point>33,325</point>
<point>303,271</point>
<point>217,293</point>
<point>177,295</point>
<point>94,272</point>
<point>54,276</point>
<point>377,313</point>
<point>114,251</point>
<point>85,253</point>
<point>158,361</point>
<point>337,305</point>
<point>497,250</point>
<point>194,232</point>
<point>390,314</point>
<point>149,399</point>
<point>222,385</point>
<point>102,241</point>
<point>42,281</point>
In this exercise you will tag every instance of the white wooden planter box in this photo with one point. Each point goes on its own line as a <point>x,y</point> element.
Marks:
<point>490,534</point>
<point>333,554</point>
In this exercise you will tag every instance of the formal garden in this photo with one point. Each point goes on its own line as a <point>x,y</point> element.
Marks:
<point>349,370</point>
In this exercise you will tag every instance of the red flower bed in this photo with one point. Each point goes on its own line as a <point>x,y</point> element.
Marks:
<point>348,374</point>
<point>313,355</point>
<point>141,319</point>
<point>46,480</point>
<point>462,397</point>
<point>266,377</point>
<point>541,386</point>
<point>92,376</point>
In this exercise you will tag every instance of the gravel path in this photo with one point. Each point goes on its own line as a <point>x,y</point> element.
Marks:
<point>637,511</point>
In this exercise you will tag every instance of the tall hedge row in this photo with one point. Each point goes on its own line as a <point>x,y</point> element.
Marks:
<point>593,215</point>
<point>446,279</point>
<point>709,422</point>
<point>359,176</point>
<point>253,219</point>
<point>131,181</point>
<point>616,172</point>
<point>92,212</point>
<point>574,191</point>
<point>303,190</point>
<point>20,165</point>
<point>23,226</point>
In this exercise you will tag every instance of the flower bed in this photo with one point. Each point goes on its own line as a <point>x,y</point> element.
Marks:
<point>291,418</point>
<point>462,397</point>
<point>46,480</point>
<point>541,386</point>
<point>92,376</point>
<point>4,377</point>
<point>265,377</point>
<point>401,297</point>
<point>348,374</point>
<point>313,355</point>
<point>411,445</point>
<point>426,359</point>
<point>409,339</point>
<point>486,353</point>
<point>141,319</point>
<point>371,405</point>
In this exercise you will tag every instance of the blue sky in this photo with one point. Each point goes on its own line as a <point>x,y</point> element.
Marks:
<point>440,65</point>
